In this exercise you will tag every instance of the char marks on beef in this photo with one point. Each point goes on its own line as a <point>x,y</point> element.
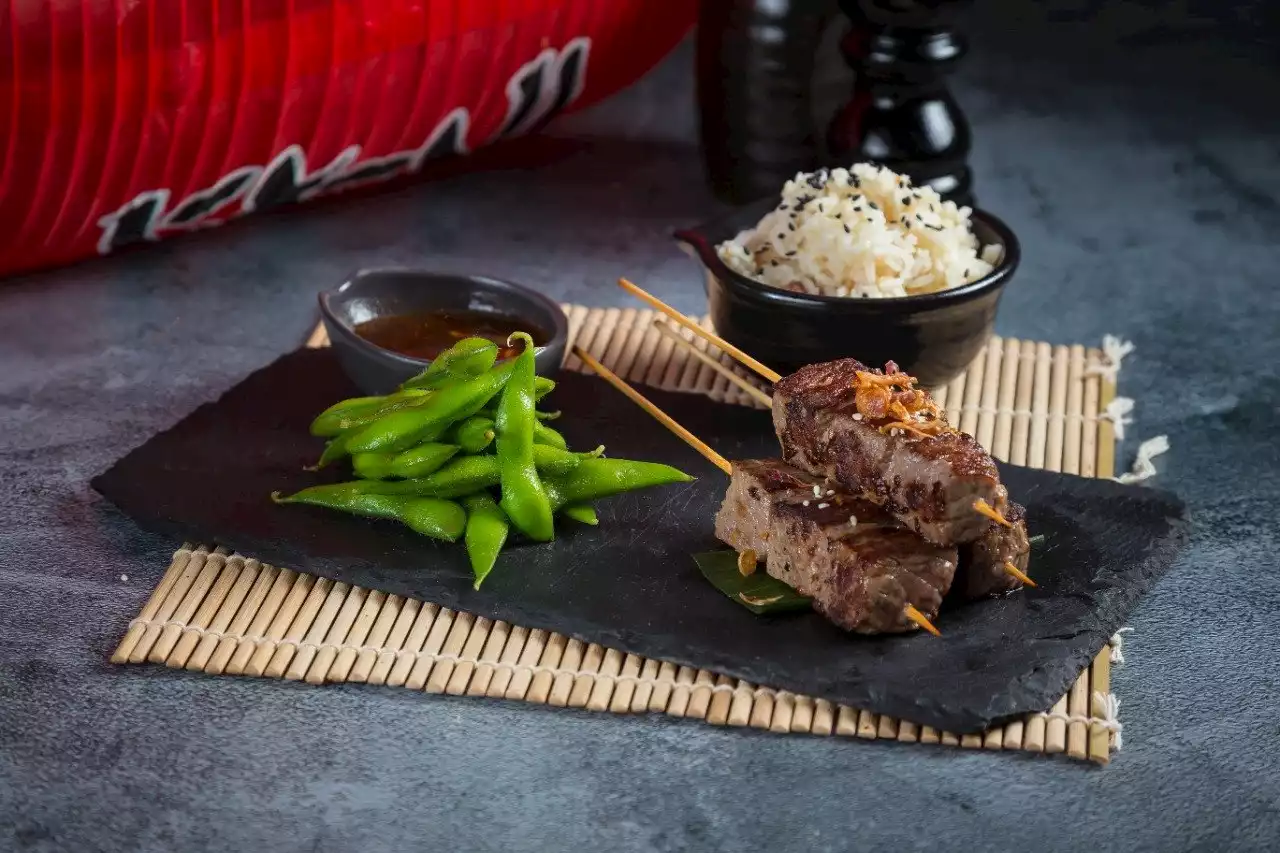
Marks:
<point>861,577</point>
<point>929,483</point>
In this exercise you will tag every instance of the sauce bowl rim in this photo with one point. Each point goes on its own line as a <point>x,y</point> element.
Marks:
<point>560,322</point>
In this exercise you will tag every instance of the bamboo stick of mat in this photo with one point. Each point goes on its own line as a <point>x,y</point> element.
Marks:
<point>744,358</point>
<point>751,391</point>
<point>244,608</point>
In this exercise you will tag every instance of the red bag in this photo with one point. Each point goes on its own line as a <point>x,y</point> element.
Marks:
<point>124,122</point>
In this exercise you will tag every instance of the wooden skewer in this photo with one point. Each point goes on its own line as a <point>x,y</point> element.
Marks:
<point>984,508</point>
<point>748,361</point>
<point>1019,574</point>
<point>754,392</point>
<point>640,400</point>
<point>697,444</point>
<point>920,619</point>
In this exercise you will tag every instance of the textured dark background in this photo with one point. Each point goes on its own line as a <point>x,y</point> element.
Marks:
<point>1135,148</point>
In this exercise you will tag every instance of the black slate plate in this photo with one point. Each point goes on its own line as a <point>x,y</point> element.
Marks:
<point>631,583</point>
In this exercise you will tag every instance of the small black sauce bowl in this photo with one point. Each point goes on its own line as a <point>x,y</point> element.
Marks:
<point>933,336</point>
<point>383,292</point>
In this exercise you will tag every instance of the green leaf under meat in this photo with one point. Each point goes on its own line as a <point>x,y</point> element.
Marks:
<point>758,592</point>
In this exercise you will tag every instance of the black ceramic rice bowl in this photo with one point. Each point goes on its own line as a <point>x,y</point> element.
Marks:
<point>932,336</point>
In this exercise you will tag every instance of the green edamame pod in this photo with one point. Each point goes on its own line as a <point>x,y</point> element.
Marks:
<point>458,478</point>
<point>359,411</point>
<point>543,434</point>
<point>523,498</point>
<point>334,449</point>
<point>487,529</point>
<point>542,386</point>
<point>326,423</point>
<point>474,434</point>
<point>396,402</point>
<point>345,497</point>
<point>402,430</point>
<point>581,513</point>
<point>466,474</point>
<point>601,478</point>
<point>372,466</point>
<point>554,462</point>
<point>421,460</point>
<point>466,359</point>
<point>439,519</point>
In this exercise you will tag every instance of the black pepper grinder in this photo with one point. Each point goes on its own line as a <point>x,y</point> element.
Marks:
<point>756,63</point>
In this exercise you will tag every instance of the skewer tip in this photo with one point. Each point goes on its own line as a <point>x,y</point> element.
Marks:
<point>920,619</point>
<point>1016,572</point>
<point>984,508</point>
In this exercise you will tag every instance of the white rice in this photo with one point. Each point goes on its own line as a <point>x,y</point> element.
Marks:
<point>860,232</point>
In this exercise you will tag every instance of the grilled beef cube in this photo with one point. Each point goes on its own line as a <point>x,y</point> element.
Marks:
<point>928,482</point>
<point>756,487</point>
<point>860,575</point>
<point>982,561</point>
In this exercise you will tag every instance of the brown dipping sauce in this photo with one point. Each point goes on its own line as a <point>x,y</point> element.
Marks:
<point>426,334</point>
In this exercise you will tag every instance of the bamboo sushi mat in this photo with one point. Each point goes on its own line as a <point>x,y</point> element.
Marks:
<point>1029,403</point>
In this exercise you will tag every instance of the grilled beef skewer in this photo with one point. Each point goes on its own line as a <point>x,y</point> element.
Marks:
<point>981,568</point>
<point>874,434</point>
<point>858,564</point>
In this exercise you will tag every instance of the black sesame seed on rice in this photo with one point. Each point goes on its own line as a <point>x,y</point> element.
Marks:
<point>791,253</point>
<point>873,205</point>
<point>848,230</point>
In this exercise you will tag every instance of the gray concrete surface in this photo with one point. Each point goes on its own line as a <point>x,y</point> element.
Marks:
<point>1137,153</point>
